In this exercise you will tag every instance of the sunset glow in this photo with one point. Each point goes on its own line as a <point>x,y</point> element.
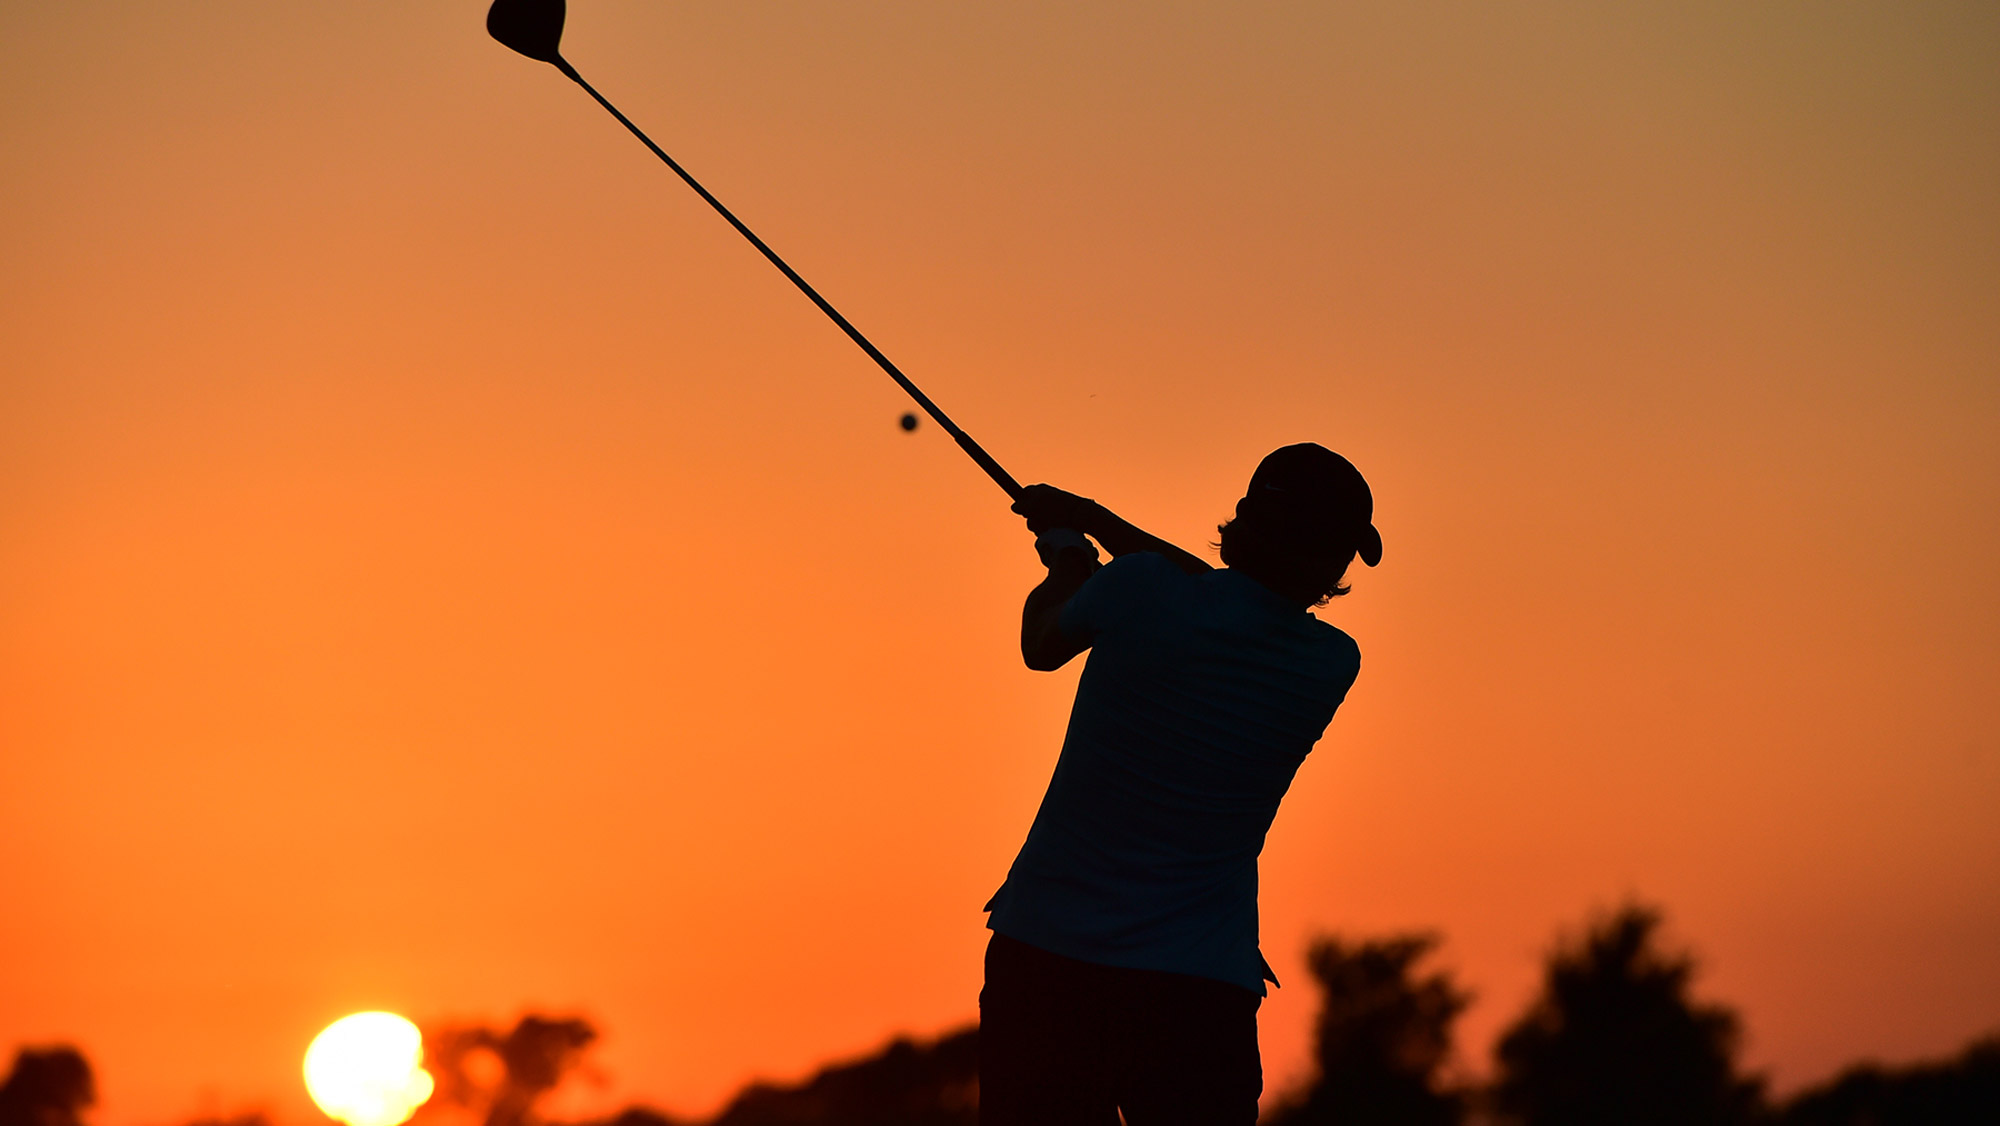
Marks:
<point>366,1070</point>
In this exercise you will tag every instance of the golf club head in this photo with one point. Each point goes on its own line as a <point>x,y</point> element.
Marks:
<point>532,27</point>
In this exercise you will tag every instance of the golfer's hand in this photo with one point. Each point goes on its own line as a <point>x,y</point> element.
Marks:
<point>1045,507</point>
<point>1066,549</point>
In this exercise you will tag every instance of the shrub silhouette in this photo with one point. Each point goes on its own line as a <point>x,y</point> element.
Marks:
<point>1960,1092</point>
<point>905,1084</point>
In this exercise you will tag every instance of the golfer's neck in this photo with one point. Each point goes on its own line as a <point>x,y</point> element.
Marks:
<point>1304,604</point>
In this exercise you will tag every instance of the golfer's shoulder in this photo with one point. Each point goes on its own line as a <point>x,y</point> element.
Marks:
<point>1140,569</point>
<point>1334,650</point>
<point>1128,592</point>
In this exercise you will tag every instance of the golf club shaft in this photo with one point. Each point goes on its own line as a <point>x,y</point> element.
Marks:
<point>983,459</point>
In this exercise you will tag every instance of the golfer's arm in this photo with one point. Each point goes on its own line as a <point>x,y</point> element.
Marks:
<point>1121,537</point>
<point>1043,645</point>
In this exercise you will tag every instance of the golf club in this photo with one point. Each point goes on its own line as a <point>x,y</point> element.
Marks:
<point>534,28</point>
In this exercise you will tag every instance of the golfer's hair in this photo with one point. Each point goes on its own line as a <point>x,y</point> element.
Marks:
<point>1277,561</point>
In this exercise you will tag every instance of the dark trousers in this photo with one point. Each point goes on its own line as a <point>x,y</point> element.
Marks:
<point>1069,1043</point>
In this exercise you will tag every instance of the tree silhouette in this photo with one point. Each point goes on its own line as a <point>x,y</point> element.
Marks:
<point>47,1087</point>
<point>1615,1038</point>
<point>1382,1039</point>
<point>532,1059</point>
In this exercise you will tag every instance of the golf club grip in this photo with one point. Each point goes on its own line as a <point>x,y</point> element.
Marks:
<point>973,450</point>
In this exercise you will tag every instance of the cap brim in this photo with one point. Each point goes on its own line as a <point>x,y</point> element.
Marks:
<point>1370,547</point>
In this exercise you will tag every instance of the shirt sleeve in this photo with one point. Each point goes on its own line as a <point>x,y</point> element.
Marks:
<point>1121,592</point>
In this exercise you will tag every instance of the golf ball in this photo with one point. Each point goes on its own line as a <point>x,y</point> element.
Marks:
<point>909,421</point>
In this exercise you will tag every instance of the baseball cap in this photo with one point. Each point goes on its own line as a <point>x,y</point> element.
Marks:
<point>1318,495</point>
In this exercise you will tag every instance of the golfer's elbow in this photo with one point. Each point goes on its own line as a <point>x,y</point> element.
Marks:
<point>1044,648</point>
<point>1048,662</point>
<point>1034,645</point>
<point>1043,660</point>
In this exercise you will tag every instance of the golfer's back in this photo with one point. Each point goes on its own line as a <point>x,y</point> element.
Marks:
<point>1201,696</point>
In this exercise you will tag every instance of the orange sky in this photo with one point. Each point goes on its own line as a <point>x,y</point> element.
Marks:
<point>442,568</point>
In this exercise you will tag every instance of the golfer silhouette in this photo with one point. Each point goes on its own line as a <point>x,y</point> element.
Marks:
<point>1123,973</point>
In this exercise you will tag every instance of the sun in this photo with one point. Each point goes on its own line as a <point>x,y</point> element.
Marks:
<point>365,1069</point>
